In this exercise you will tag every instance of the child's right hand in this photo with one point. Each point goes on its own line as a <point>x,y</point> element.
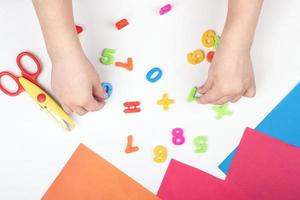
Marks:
<point>76,84</point>
<point>74,79</point>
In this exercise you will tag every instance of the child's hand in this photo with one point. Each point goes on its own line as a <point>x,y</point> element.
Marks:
<point>77,85</point>
<point>230,77</point>
<point>74,79</point>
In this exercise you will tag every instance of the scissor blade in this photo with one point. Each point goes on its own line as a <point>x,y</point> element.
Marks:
<point>59,120</point>
<point>47,103</point>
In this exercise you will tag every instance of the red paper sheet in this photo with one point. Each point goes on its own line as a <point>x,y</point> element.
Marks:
<point>266,168</point>
<point>182,182</point>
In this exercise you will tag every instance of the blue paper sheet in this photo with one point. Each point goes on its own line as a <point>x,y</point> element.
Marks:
<point>282,123</point>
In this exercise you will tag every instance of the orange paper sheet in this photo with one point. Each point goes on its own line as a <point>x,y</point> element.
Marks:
<point>87,176</point>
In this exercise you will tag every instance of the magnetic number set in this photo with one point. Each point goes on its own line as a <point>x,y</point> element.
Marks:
<point>209,40</point>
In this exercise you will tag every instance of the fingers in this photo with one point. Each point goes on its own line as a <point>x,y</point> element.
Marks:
<point>229,98</point>
<point>98,92</point>
<point>66,108</point>
<point>223,100</point>
<point>233,99</point>
<point>220,95</point>
<point>79,110</point>
<point>91,103</point>
<point>94,105</point>
<point>209,97</point>
<point>206,86</point>
<point>251,91</point>
<point>236,99</point>
<point>91,106</point>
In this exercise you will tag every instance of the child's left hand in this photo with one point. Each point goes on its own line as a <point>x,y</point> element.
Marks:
<point>230,76</point>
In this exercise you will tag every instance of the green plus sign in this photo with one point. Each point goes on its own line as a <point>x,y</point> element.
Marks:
<point>222,111</point>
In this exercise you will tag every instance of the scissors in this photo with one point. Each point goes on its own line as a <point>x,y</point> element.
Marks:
<point>28,82</point>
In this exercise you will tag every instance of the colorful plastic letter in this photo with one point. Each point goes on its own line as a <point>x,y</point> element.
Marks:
<point>107,87</point>
<point>79,29</point>
<point>132,107</point>
<point>160,154</point>
<point>165,9</point>
<point>128,65</point>
<point>154,75</point>
<point>195,57</point>
<point>208,38</point>
<point>129,147</point>
<point>107,56</point>
<point>210,56</point>
<point>192,95</point>
<point>216,41</point>
<point>178,138</point>
<point>121,24</point>
<point>200,143</point>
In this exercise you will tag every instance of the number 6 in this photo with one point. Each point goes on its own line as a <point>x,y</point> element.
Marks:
<point>107,56</point>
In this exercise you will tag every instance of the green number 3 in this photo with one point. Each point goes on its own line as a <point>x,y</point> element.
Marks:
<point>107,56</point>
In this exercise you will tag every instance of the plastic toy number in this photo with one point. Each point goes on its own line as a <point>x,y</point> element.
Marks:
<point>130,148</point>
<point>210,56</point>
<point>160,154</point>
<point>154,75</point>
<point>121,24</point>
<point>178,138</point>
<point>128,65</point>
<point>200,144</point>
<point>208,38</point>
<point>192,95</point>
<point>195,57</point>
<point>216,41</point>
<point>79,29</point>
<point>107,87</point>
<point>107,56</point>
<point>165,9</point>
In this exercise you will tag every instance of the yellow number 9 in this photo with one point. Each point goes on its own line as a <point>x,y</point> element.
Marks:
<point>160,154</point>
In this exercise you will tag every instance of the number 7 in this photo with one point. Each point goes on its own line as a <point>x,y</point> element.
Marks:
<point>107,56</point>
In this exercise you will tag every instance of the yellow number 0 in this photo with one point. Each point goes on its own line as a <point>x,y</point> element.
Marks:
<point>195,57</point>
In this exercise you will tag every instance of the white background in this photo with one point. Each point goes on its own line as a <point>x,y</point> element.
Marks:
<point>33,149</point>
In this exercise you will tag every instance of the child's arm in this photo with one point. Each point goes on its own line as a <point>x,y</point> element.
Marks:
<point>74,79</point>
<point>231,75</point>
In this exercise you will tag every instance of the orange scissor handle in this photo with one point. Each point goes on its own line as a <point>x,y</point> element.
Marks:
<point>16,79</point>
<point>31,76</point>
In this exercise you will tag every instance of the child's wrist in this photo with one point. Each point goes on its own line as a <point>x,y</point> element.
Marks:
<point>63,46</point>
<point>234,39</point>
<point>238,35</point>
<point>68,54</point>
